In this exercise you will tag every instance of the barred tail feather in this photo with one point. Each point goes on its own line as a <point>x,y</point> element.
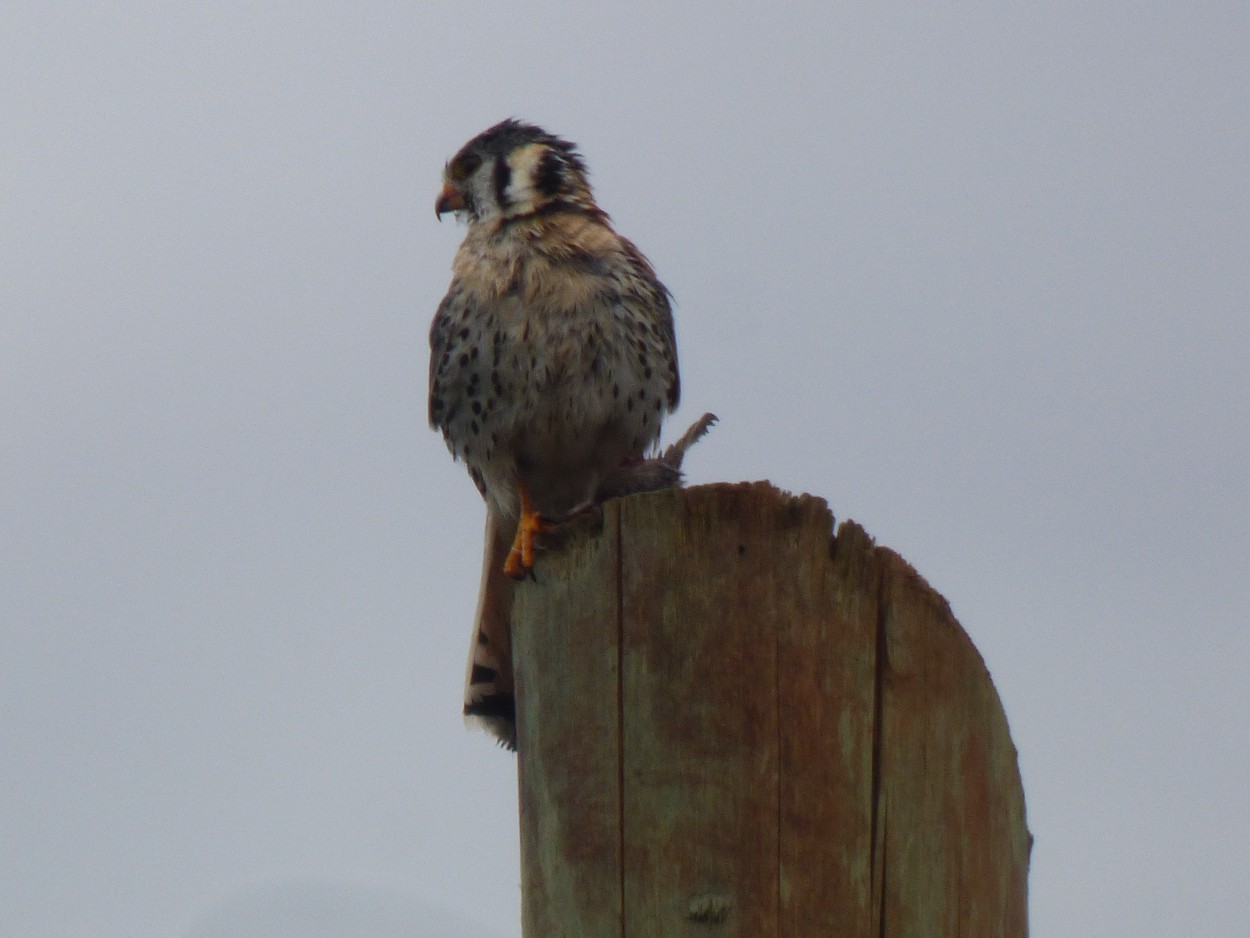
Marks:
<point>489,699</point>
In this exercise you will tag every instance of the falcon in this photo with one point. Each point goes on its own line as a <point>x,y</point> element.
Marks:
<point>553,362</point>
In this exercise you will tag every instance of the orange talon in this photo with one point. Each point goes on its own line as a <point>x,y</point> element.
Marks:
<point>521,557</point>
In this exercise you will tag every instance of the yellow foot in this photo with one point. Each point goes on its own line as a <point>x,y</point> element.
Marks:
<point>521,557</point>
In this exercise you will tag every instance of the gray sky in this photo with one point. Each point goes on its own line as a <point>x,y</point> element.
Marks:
<point>975,273</point>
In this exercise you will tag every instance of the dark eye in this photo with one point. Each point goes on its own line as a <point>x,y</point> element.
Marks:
<point>465,166</point>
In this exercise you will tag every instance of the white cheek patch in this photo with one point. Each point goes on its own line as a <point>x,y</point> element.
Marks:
<point>524,165</point>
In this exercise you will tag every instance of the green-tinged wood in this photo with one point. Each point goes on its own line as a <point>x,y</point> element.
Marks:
<point>733,723</point>
<point>700,755</point>
<point>565,650</point>
<point>828,701</point>
<point>955,845</point>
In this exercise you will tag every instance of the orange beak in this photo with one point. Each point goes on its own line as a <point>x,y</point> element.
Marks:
<point>449,200</point>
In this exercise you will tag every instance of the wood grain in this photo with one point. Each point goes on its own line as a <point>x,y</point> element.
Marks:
<point>733,723</point>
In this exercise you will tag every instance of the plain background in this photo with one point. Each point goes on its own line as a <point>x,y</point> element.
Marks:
<point>975,272</point>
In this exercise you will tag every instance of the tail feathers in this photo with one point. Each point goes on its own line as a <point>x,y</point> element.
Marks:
<point>489,699</point>
<point>489,692</point>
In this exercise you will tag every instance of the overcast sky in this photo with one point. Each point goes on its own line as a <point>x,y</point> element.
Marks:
<point>977,273</point>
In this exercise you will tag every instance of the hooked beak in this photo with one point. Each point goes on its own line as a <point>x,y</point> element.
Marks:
<point>449,200</point>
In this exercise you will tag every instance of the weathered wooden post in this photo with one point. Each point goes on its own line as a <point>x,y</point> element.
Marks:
<point>733,723</point>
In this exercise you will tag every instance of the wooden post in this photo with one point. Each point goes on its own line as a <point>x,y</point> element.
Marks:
<point>733,723</point>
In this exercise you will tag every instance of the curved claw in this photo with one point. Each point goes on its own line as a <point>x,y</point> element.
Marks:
<point>521,557</point>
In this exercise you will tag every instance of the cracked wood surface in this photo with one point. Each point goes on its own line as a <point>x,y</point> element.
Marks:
<point>733,723</point>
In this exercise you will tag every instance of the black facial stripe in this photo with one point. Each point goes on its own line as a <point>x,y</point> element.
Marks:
<point>550,175</point>
<point>503,179</point>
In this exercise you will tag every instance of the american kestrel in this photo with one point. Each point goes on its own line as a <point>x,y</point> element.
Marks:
<point>552,363</point>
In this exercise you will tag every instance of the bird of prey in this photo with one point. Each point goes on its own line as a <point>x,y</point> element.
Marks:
<point>552,364</point>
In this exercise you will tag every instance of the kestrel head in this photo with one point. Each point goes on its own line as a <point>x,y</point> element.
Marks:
<point>511,171</point>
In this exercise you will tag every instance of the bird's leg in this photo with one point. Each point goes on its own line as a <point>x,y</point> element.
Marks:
<point>521,557</point>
